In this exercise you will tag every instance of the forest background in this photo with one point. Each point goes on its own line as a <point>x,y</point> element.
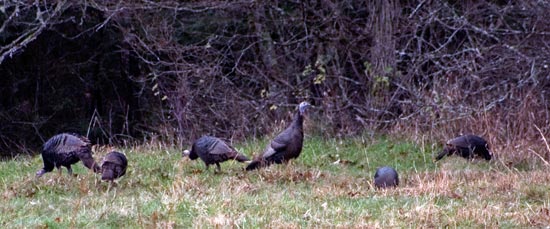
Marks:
<point>128,72</point>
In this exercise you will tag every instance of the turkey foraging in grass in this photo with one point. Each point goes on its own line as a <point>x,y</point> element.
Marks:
<point>386,177</point>
<point>213,150</point>
<point>114,166</point>
<point>285,146</point>
<point>466,146</point>
<point>64,150</point>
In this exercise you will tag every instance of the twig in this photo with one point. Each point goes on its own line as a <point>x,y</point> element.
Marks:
<point>545,142</point>
<point>538,155</point>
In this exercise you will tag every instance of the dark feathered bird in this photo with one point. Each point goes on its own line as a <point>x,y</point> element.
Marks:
<point>466,146</point>
<point>64,150</point>
<point>386,177</point>
<point>285,146</point>
<point>213,150</point>
<point>113,166</point>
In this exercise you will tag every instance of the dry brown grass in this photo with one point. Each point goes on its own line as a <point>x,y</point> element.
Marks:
<point>162,190</point>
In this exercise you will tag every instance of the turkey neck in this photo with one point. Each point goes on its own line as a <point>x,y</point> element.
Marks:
<point>298,120</point>
<point>85,156</point>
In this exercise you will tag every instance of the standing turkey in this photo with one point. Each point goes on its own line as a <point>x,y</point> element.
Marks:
<point>113,166</point>
<point>64,150</point>
<point>466,146</point>
<point>213,150</point>
<point>386,177</point>
<point>287,145</point>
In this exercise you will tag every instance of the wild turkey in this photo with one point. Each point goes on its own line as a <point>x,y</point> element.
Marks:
<point>64,150</point>
<point>466,146</point>
<point>287,145</point>
<point>213,150</point>
<point>113,166</point>
<point>386,177</point>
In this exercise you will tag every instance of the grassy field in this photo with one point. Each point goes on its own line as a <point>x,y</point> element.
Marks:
<point>330,185</point>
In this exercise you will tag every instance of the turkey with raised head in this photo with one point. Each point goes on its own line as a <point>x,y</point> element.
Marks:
<point>386,177</point>
<point>466,146</point>
<point>212,150</point>
<point>285,146</point>
<point>113,166</point>
<point>64,150</point>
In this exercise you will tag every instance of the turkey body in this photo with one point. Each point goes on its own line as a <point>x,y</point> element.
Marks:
<point>386,177</point>
<point>212,150</point>
<point>65,150</point>
<point>466,146</point>
<point>285,146</point>
<point>114,166</point>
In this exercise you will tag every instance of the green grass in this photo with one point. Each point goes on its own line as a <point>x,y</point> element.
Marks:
<point>330,185</point>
